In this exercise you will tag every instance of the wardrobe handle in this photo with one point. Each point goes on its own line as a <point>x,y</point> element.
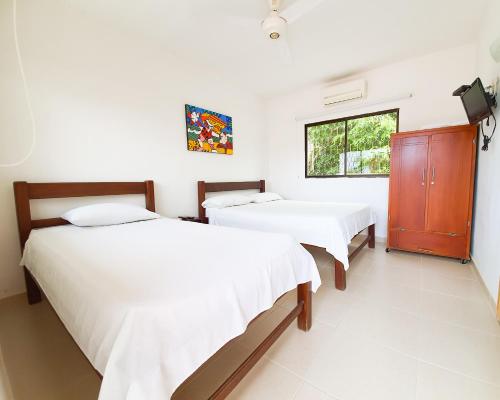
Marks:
<point>433,175</point>
<point>423,176</point>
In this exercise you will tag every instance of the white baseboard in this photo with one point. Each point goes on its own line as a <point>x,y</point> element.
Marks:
<point>491,301</point>
<point>5,388</point>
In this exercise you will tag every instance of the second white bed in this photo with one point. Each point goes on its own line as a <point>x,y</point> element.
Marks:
<point>323,224</point>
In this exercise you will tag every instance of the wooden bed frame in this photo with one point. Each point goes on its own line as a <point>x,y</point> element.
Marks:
<point>206,187</point>
<point>24,192</point>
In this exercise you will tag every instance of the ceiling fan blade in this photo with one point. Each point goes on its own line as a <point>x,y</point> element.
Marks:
<point>298,9</point>
<point>284,52</point>
<point>241,21</point>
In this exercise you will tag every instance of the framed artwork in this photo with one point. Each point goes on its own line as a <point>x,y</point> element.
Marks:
<point>208,131</point>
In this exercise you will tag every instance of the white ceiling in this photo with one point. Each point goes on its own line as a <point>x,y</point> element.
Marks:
<point>336,39</point>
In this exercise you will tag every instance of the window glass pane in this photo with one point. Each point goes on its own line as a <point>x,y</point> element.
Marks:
<point>368,144</point>
<point>325,149</point>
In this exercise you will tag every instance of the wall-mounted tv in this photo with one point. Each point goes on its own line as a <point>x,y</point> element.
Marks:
<point>476,102</point>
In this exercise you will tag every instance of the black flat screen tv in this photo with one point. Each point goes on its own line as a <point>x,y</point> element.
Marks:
<point>476,102</point>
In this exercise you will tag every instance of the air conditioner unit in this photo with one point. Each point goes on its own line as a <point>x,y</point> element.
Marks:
<point>343,92</point>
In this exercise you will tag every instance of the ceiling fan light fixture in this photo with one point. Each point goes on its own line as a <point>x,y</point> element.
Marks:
<point>274,26</point>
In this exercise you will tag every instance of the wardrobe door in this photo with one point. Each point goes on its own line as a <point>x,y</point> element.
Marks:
<point>450,166</point>
<point>411,185</point>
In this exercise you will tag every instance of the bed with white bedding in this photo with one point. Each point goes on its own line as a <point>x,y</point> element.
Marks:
<point>324,224</point>
<point>328,225</point>
<point>149,302</point>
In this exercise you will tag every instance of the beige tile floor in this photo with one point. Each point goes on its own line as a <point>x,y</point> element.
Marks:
<point>407,327</point>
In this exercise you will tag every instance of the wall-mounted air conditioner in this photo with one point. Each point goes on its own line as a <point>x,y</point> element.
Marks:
<point>342,92</point>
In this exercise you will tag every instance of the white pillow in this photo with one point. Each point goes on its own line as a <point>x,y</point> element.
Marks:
<point>107,214</point>
<point>265,197</point>
<point>226,200</point>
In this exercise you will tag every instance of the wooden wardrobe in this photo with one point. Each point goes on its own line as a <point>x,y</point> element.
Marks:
<point>431,191</point>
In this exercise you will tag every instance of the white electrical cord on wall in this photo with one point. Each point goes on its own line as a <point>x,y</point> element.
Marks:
<point>26,92</point>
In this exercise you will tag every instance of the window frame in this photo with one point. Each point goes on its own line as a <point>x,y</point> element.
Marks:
<point>345,120</point>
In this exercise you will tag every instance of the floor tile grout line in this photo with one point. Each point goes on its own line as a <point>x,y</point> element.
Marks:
<point>376,342</point>
<point>420,315</point>
<point>294,396</point>
<point>457,325</point>
<point>448,276</point>
<point>304,379</point>
<point>485,382</point>
<point>402,285</point>
<point>416,381</point>
<point>349,307</point>
<point>417,358</point>
<point>451,295</point>
<point>427,272</point>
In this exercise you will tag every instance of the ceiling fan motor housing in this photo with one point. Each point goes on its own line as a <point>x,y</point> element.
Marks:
<point>274,26</point>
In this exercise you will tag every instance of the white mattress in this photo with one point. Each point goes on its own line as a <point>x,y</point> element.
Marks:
<point>323,224</point>
<point>149,302</point>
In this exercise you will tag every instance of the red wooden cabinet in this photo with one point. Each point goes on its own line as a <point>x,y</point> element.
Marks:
<point>431,191</point>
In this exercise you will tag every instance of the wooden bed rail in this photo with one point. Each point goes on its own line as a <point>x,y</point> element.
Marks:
<point>302,311</point>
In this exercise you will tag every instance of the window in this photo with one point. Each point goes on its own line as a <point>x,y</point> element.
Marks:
<point>352,146</point>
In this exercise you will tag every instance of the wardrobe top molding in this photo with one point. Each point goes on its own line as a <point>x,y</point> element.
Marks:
<point>434,131</point>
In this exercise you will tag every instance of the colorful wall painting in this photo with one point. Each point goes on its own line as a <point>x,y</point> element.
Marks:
<point>208,131</point>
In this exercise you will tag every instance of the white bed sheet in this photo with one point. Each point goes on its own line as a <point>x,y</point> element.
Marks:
<point>149,302</point>
<point>322,224</point>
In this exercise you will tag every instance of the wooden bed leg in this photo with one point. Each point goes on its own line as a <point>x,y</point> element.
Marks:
<point>34,294</point>
<point>304,294</point>
<point>371,235</point>
<point>340,275</point>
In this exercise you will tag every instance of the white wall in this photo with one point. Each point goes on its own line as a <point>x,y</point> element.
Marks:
<point>108,106</point>
<point>486,248</point>
<point>431,78</point>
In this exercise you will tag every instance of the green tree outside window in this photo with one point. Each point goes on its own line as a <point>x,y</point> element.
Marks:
<point>351,146</point>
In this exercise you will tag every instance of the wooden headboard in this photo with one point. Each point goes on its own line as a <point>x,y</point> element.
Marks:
<point>206,187</point>
<point>24,192</point>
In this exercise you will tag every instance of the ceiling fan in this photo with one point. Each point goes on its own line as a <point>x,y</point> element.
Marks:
<point>276,23</point>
